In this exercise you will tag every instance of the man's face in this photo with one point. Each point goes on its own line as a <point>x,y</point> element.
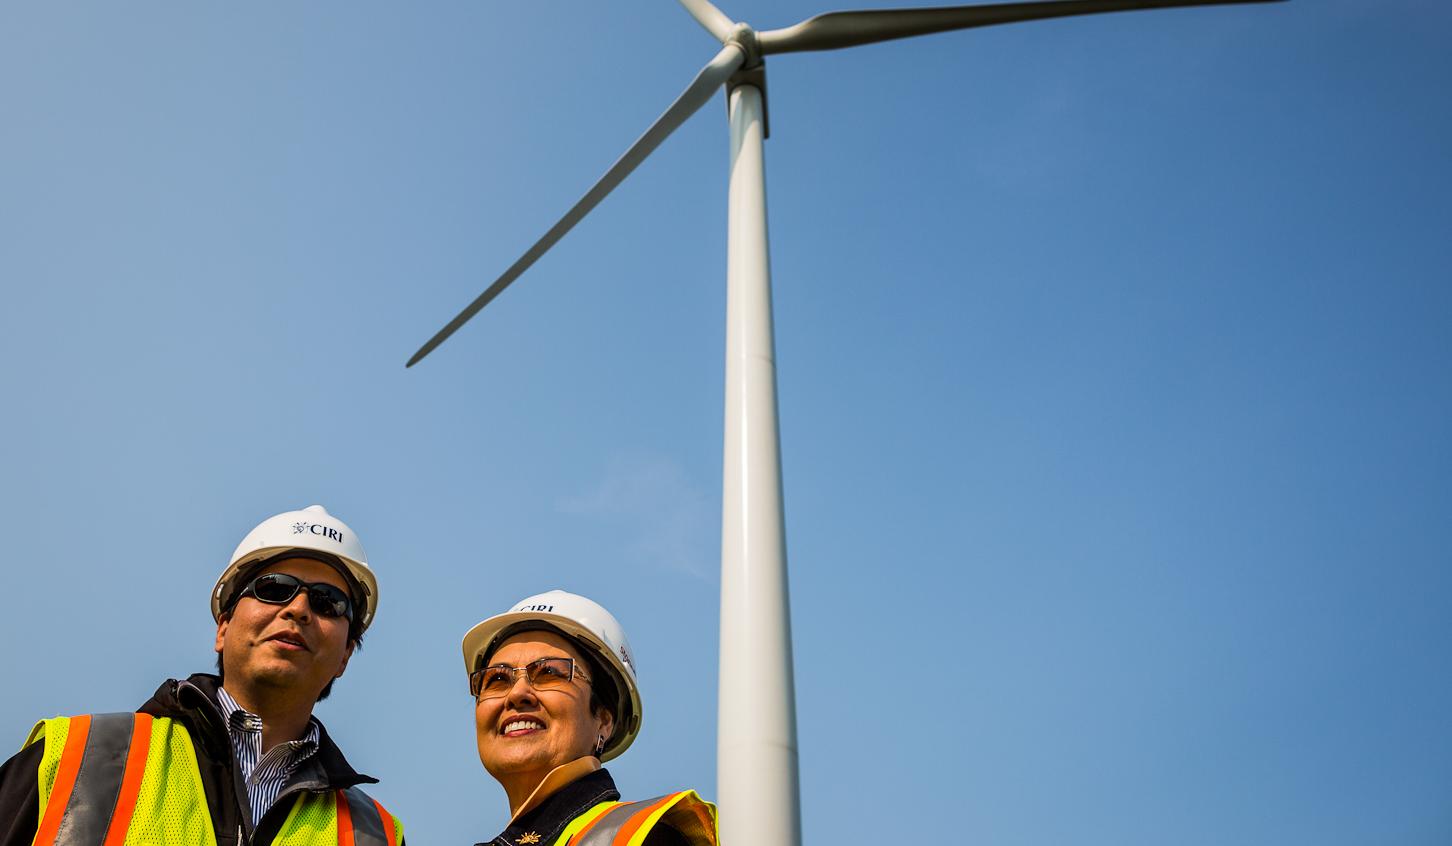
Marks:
<point>285,649</point>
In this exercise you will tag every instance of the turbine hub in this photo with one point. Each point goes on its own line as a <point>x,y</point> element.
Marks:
<point>744,36</point>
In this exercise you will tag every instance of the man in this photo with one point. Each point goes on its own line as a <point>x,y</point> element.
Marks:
<point>230,760</point>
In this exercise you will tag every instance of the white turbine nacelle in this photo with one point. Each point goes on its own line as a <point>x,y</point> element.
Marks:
<point>757,782</point>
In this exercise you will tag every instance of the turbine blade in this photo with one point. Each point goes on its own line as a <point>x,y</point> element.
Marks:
<point>710,17</point>
<point>697,94</point>
<point>836,30</point>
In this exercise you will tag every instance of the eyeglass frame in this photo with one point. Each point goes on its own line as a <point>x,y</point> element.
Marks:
<point>250,589</point>
<point>515,671</point>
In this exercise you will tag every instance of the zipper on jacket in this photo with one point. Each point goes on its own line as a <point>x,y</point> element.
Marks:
<point>218,732</point>
<point>275,816</point>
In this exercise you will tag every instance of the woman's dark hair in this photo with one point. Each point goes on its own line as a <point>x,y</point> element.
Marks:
<point>602,688</point>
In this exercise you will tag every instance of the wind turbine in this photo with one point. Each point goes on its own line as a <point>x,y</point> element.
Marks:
<point>756,741</point>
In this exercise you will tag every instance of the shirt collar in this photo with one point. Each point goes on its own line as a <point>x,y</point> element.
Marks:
<point>556,779</point>
<point>240,719</point>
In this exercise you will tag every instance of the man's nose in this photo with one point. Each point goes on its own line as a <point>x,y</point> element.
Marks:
<point>298,608</point>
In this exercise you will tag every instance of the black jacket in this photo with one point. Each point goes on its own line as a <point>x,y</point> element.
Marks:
<point>553,814</point>
<point>194,704</point>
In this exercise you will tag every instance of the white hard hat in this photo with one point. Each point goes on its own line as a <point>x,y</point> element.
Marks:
<point>311,530</point>
<point>591,627</point>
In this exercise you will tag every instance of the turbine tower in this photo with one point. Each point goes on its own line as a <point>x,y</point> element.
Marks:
<point>757,787</point>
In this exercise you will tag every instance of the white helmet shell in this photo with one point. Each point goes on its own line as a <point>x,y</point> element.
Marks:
<point>312,529</point>
<point>593,628</point>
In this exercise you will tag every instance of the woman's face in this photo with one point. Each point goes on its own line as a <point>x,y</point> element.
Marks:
<point>529,731</point>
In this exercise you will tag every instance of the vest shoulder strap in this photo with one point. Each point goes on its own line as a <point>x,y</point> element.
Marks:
<point>628,823</point>
<point>98,762</point>
<point>362,821</point>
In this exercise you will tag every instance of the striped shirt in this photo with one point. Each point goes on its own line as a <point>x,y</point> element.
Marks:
<point>264,775</point>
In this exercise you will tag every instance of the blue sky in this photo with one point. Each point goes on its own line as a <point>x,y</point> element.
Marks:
<point>1114,374</point>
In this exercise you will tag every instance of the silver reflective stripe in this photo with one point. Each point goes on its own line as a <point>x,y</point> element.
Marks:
<point>98,781</point>
<point>603,832</point>
<point>367,822</point>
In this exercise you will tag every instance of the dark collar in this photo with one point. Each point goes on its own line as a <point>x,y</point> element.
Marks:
<point>194,701</point>
<point>550,818</point>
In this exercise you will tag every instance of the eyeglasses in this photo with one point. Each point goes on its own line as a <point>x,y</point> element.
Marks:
<point>279,589</point>
<point>497,680</point>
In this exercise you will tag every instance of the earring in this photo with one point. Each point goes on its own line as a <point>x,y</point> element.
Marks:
<point>600,746</point>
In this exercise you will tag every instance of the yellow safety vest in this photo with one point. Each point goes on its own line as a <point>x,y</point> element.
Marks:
<point>132,780</point>
<point>628,823</point>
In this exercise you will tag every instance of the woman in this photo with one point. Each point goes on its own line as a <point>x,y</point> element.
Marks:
<point>554,691</point>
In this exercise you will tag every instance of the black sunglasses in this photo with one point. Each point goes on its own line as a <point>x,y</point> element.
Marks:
<point>279,589</point>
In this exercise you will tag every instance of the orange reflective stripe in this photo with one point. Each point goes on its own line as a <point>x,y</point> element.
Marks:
<point>388,831</point>
<point>65,780</point>
<point>580,835</point>
<point>345,820</point>
<point>632,825</point>
<point>693,818</point>
<point>130,782</point>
